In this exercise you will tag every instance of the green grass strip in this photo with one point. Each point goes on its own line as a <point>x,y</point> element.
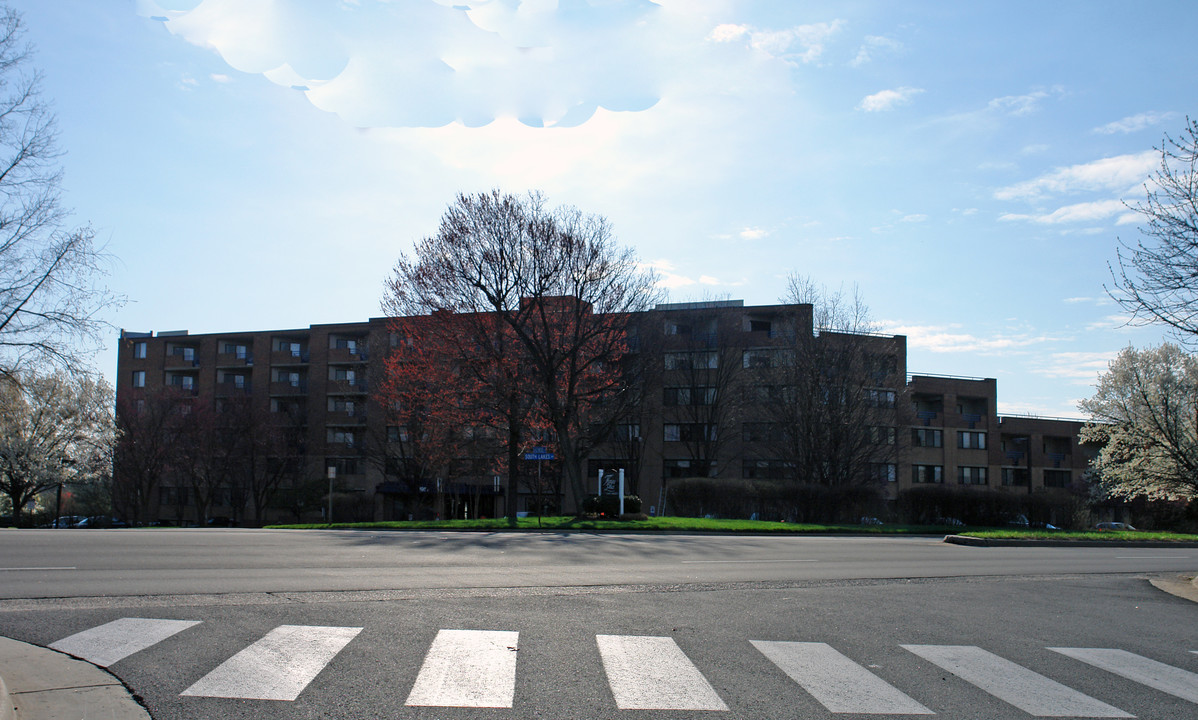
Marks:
<point>671,524</point>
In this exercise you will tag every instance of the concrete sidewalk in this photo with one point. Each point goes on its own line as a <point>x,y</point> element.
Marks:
<point>41,684</point>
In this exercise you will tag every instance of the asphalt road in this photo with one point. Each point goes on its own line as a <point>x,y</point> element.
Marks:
<point>859,612</point>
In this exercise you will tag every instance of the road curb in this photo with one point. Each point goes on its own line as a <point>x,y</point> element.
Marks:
<point>1182,585</point>
<point>995,542</point>
<point>37,683</point>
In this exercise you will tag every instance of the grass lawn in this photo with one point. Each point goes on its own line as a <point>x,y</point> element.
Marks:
<point>681,524</point>
<point>1107,535</point>
<point>674,524</point>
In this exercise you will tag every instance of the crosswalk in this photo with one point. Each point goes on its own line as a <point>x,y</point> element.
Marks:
<point>478,669</point>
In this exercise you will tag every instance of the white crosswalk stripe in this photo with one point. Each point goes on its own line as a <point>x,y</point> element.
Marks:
<point>277,667</point>
<point>838,683</point>
<point>1156,675</point>
<point>652,673</point>
<point>468,668</point>
<point>477,669</point>
<point>108,643</point>
<point>1029,691</point>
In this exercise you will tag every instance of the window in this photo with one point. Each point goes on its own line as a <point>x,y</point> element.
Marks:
<point>883,472</point>
<point>340,373</point>
<point>1057,478</point>
<point>344,466</point>
<point>398,433</point>
<point>927,474</point>
<point>185,382</point>
<point>881,435</point>
<point>627,431</point>
<point>761,432</point>
<point>971,475</point>
<point>706,360</point>
<point>341,437</point>
<point>139,378</point>
<point>927,437</point>
<point>767,469</point>
<point>675,328</point>
<point>349,344</point>
<point>880,398</point>
<point>344,406</point>
<point>760,326</point>
<point>288,377</point>
<point>699,395</point>
<point>971,440</point>
<point>139,350</point>
<point>241,351</point>
<point>759,358</point>
<point>1017,477</point>
<point>689,432</point>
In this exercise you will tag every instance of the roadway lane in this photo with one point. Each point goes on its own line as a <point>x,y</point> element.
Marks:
<point>75,563</point>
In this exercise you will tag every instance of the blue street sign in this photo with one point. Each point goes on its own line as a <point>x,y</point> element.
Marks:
<point>538,456</point>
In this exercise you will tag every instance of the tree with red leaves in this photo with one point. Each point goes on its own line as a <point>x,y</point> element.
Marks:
<point>540,301</point>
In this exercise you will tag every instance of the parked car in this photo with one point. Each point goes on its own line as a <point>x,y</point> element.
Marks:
<point>1104,526</point>
<point>1044,526</point>
<point>1018,521</point>
<point>64,521</point>
<point>952,522</point>
<point>101,521</point>
<point>870,521</point>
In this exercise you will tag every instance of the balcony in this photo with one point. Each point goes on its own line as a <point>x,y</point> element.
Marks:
<point>346,387</point>
<point>232,389</point>
<point>286,357</point>
<point>235,359</point>
<point>180,361</point>
<point>345,355</point>
<point>288,388</point>
<point>342,417</point>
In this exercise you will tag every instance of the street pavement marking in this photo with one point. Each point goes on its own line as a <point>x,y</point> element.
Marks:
<point>1157,675</point>
<point>277,667</point>
<point>838,683</point>
<point>468,668</point>
<point>1029,691</point>
<point>16,569</point>
<point>105,644</point>
<point>652,673</point>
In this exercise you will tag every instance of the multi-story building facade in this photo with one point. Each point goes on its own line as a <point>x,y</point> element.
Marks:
<point>717,385</point>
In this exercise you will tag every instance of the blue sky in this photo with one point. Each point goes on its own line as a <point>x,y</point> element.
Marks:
<point>259,164</point>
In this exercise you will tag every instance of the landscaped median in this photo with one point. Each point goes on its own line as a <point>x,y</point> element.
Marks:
<point>1016,537</point>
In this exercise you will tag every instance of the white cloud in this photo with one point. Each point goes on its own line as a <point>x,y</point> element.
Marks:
<point>668,279</point>
<point>915,218</point>
<point>1018,104</point>
<point>1134,123</point>
<point>888,99</point>
<point>802,43</point>
<point>948,339</point>
<point>1117,173</point>
<point>1078,212</point>
<point>220,78</point>
<point>1079,367</point>
<point>429,63</point>
<point>753,233</point>
<point>875,45</point>
<point>709,280</point>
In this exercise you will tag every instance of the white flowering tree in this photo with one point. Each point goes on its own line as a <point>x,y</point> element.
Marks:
<point>1145,416</point>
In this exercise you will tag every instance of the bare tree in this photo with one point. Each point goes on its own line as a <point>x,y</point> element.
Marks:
<point>833,394</point>
<point>51,292</point>
<point>149,431</point>
<point>563,290</point>
<point>1155,280</point>
<point>54,429</point>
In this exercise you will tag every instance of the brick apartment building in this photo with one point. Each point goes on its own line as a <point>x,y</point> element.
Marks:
<point>714,377</point>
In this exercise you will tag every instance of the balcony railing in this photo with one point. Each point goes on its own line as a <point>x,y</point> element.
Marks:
<point>289,388</point>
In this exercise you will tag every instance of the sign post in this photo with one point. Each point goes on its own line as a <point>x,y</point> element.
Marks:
<point>332,476</point>
<point>539,454</point>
